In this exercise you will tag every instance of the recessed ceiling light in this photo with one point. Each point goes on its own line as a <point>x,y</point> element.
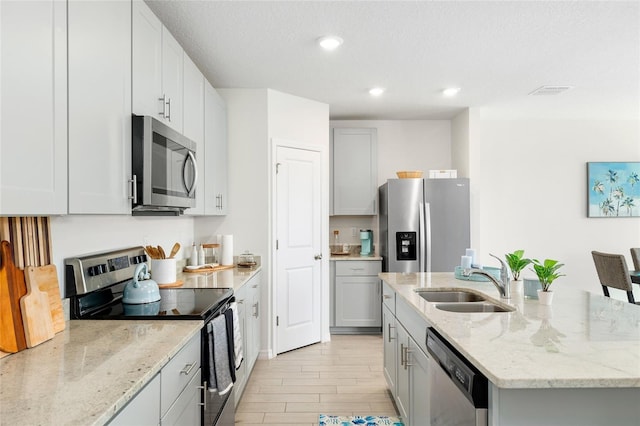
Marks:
<point>376,91</point>
<point>451,91</point>
<point>330,42</point>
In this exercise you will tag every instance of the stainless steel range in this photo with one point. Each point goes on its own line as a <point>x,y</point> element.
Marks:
<point>95,283</point>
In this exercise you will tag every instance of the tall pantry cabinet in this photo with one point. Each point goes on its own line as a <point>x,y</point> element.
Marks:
<point>33,114</point>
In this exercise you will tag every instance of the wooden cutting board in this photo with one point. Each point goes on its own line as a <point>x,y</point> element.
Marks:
<point>36,313</point>
<point>206,269</point>
<point>47,279</point>
<point>12,288</point>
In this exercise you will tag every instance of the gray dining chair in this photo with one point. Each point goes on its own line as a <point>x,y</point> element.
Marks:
<point>635,255</point>
<point>613,272</point>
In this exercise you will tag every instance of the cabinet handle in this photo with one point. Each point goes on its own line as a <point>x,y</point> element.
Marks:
<point>240,301</point>
<point>134,189</point>
<point>386,296</point>
<point>407,351</point>
<point>255,312</point>
<point>187,369</point>
<point>221,202</point>
<point>204,395</point>
<point>402,355</point>
<point>164,105</point>
<point>389,332</point>
<point>169,109</point>
<point>357,269</point>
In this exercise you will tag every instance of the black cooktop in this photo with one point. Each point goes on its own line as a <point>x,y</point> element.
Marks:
<point>174,303</point>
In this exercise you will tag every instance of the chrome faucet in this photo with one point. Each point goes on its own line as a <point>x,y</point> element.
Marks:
<point>503,284</point>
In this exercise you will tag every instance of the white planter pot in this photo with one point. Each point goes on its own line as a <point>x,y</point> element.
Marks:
<point>545,297</point>
<point>517,286</point>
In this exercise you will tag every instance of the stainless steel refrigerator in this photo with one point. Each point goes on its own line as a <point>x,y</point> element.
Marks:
<point>423,224</point>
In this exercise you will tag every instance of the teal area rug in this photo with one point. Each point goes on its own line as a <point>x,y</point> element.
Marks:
<point>326,420</point>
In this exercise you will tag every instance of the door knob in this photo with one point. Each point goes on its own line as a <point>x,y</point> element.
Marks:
<point>317,256</point>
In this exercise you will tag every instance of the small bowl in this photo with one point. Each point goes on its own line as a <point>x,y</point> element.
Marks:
<point>409,174</point>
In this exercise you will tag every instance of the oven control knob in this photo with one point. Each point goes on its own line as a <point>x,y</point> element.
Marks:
<point>139,259</point>
<point>97,270</point>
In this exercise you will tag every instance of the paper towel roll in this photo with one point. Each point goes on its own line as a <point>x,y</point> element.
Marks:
<point>226,258</point>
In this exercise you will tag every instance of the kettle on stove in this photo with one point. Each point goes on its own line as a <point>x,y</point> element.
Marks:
<point>141,289</point>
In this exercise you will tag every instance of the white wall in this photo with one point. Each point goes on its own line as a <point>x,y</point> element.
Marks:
<point>73,235</point>
<point>529,187</point>
<point>247,174</point>
<point>255,118</point>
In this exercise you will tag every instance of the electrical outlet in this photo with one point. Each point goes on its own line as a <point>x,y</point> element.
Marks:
<point>354,232</point>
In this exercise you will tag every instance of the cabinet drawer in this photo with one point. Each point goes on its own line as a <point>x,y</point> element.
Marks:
<point>358,267</point>
<point>178,372</point>
<point>389,297</point>
<point>186,409</point>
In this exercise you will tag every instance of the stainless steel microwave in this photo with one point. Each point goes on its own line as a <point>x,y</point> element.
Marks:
<point>165,170</point>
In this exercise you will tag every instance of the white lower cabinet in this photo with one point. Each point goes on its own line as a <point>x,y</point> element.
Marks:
<point>406,364</point>
<point>357,294</point>
<point>143,409</point>
<point>248,299</point>
<point>172,397</point>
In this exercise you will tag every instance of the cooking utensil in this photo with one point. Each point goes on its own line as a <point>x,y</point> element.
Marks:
<point>174,250</point>
<point>162,253</point>
<point>12,288</point>
<point>47,279</point>
<point>141,289</point>
<point>36,314</point>
<point>151,252</point>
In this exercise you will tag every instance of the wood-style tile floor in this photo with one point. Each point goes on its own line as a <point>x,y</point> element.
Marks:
<point>342,377</point>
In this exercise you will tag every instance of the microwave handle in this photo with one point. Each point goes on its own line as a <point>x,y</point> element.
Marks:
<point>195,173</point>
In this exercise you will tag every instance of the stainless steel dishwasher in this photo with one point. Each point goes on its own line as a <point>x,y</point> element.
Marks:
<point>457,390</point>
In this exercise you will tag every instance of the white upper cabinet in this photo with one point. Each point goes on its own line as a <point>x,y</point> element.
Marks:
<point>354,174</point>
<point>99,107</point>
<point>147,62</point>
<point>33,135</point>
<point>172,84</point>
<point>215,133</point>
<point>157,69</point>
<point>193,121</point>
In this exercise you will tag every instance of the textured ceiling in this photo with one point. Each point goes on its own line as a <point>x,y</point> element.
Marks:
<point>497,52</point>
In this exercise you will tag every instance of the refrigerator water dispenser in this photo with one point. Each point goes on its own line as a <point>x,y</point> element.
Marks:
<point>406,245</point>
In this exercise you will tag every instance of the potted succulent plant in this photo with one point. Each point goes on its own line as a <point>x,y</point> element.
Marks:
<point>547,272</point>
<point>516,263</point>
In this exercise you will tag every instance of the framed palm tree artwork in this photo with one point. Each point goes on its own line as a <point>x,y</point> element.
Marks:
<point>614,189</point>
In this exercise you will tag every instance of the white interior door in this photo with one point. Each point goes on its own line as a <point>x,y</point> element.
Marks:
<point>298,233</point>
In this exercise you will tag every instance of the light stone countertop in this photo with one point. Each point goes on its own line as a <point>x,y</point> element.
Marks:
<point>89,371</point>
<point>583,340</point>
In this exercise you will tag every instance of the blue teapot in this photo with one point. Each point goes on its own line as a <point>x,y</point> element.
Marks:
<point>141,289</point>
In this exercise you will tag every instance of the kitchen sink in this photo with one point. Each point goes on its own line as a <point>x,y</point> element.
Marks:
<point>458,296</point>
<point>473,307</point>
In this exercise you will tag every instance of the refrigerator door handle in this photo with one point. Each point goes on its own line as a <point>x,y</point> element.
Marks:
<point>427,222</point>
<point>422,247</point>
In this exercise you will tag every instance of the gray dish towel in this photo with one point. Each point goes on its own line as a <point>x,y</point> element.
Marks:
<point>220,362</point>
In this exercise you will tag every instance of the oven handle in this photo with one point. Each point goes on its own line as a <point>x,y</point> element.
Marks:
<point>204,395</point>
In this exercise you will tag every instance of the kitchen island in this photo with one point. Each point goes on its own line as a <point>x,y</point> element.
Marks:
<point>91,370</point>
<point>575,362</point>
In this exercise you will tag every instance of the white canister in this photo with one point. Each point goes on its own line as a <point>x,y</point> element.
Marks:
<point>163,271</point>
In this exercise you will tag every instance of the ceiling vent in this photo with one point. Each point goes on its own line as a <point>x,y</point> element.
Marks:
<point>550,90</point>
